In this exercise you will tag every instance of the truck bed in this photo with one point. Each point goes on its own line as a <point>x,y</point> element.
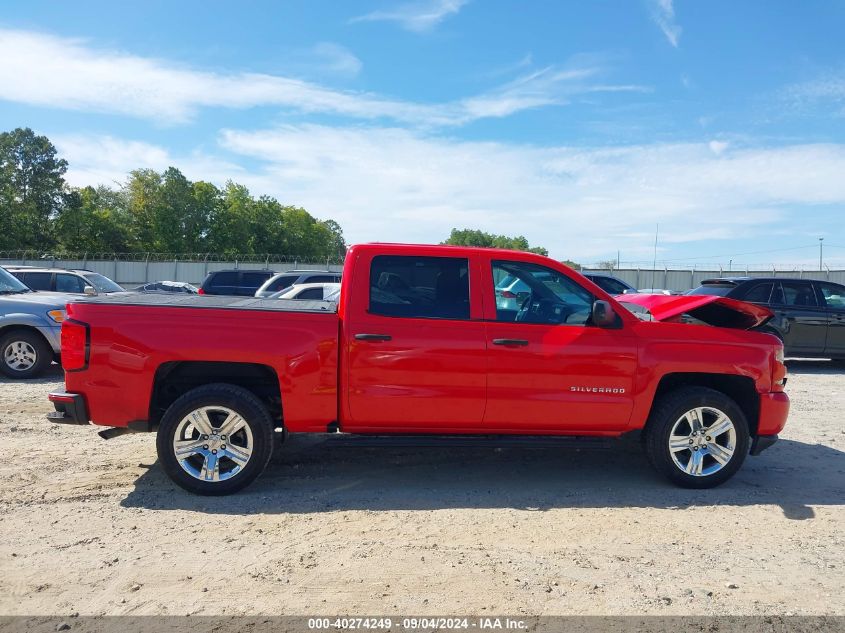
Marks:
<point>135,337</point>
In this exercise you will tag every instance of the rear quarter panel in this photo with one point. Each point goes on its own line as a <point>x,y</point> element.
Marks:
<point>130,342</point>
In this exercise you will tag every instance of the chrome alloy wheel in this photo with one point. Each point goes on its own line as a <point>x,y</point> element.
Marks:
<point>213,443</point>
<point>20,355</point>
<point>702,441</point>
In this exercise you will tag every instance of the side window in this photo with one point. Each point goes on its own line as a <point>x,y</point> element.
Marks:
<point>420,287</point>
<point>69,283</point>
<point>229,278</point>
<point>319,279</point>
<point>761,293</point>
<point>834,295</point>
<point>38,281</point>
<point>798,294</point>
<point>529,293</point>
<point>280,283</point>
<point>253,280</point>
<point>311,293</point>
<point>610,286</point>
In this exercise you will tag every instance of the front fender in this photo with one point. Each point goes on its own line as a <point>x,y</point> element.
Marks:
<point>43,325</point>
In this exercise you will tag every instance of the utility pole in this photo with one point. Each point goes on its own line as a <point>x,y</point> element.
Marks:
<point>654,264</point>
<point>821,240</point>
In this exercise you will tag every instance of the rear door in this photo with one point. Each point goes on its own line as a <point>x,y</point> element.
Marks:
<point>223,283</point>
<point>415,345</point>
<point>833,298</point>
<point>37,281</point>
<point>251,281</point>
<point>800,318</point>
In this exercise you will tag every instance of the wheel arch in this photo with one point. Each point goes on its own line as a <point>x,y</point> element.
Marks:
<point>175,378</point>
<point>25,327</point>
<point>741,389</point>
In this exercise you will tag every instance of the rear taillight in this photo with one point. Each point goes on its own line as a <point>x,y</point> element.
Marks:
<point>779,371</point>
<point>507,294</point>
<point>75,345</point>
<point>200,291</point>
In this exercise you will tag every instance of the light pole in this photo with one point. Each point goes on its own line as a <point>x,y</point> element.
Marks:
<point>821,240</point>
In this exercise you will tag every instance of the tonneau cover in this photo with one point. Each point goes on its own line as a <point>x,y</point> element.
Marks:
<point>210,301</point>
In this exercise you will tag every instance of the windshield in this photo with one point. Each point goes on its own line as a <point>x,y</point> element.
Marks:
<point>10,284</point>
<point>102,284</point>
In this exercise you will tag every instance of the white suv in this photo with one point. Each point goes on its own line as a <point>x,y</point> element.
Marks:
<point>282,281</point>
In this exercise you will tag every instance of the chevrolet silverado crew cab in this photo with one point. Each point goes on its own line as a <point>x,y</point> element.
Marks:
<point>421,343</point>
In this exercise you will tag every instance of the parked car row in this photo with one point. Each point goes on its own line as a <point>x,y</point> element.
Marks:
<point>262,283</point>
<point>809,315</point>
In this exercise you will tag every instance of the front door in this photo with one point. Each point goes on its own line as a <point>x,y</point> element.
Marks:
<point>549,369</point>
<point>800,317</point>
<point>833,297</point>
<point>416,357</point>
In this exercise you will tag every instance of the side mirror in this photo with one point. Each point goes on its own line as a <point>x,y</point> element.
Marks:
<point>602,314</point>
<point>90,291</point>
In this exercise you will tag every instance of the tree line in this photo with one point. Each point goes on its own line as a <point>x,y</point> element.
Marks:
<point>474,237</point>
<point>151,212</point>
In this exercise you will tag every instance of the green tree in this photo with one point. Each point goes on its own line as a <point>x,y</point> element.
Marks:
<point>475,237</point>
<point>31,187</point>
<point>571,264</point>
<point>94,221</point>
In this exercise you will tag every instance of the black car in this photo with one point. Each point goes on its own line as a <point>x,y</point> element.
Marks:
<point>242,283</point>
<point>809,314</point>
<point>610,284</point>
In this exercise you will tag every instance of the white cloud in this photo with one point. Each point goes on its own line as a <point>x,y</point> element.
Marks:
<point>663,13</point>
<point>95,160</point>
<point>335,58</point>
<point>827,90</point>
<point>56,72</point>
<point>390,184</point>
<point>418,16</point>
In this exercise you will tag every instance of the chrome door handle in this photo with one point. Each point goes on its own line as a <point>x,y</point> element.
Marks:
<point>372,337</point>
<point>510,341</point>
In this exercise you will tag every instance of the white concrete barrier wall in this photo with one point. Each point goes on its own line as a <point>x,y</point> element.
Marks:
<point>134,273</point>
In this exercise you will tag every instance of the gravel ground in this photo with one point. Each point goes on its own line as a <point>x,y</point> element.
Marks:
<point>342,526</point>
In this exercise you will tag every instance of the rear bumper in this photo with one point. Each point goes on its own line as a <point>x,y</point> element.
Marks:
<point>774,409</point>
<point>70,408</point>
<point>762,442</point>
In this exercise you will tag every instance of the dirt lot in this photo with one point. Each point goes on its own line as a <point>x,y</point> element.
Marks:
<point>340,526</point>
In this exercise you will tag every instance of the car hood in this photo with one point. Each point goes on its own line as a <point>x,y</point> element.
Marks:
<point>710,309</point>
<point>56,300</point>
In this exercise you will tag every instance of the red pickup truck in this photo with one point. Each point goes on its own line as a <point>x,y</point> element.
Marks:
<point>426,340</point>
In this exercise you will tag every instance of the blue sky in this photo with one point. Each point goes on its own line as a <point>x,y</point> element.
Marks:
<point>580,125</point>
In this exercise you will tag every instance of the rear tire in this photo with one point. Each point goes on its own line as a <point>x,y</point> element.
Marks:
<point>697,437</point>
<point>215,439</point>
<point>24,354</point>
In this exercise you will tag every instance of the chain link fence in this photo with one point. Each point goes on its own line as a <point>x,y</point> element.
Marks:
<point>133,269</point>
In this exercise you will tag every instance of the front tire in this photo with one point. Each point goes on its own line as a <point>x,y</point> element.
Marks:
<point>215,439</point>
<point>697,437</point>
<point>24,354</point>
